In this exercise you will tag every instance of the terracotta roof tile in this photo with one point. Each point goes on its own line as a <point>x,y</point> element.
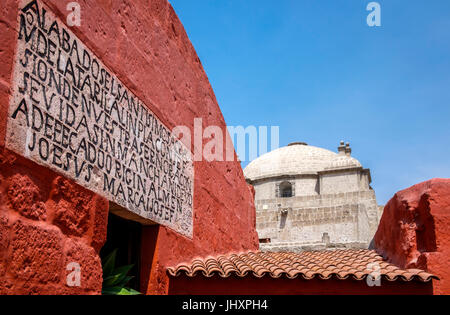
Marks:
<point>340,264</point>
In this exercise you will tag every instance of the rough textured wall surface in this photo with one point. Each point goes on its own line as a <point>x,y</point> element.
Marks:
<point>47,223</point>
<point>414,230</point>
<point>44,221</point>
<point>347,220</point>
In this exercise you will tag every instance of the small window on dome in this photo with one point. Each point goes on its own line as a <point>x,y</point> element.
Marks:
<point>285,190</point>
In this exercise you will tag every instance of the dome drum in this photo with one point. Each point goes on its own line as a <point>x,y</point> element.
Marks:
<point>327,193</point>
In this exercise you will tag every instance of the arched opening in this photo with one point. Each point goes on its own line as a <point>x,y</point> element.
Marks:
<point>285,190</point>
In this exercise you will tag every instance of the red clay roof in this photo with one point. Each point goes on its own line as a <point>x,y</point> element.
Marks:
<point>341,264</point>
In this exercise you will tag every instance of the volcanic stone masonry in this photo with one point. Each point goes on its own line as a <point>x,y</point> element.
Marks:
<point>311,198</point>
<point>70,113</point>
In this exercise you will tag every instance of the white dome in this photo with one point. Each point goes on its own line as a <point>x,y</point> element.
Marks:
<point>297,159</point>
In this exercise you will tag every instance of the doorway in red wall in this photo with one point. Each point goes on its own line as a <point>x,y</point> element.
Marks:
<point>135,239</point>
<point>124,236</point>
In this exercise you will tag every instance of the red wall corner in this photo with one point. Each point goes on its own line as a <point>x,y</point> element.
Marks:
<point>414,230</point>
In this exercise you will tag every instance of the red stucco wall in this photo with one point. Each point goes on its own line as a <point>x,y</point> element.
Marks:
<point>282,286</point>
<point>46,223</point>
<point>414,231</point>
<point>46,220</point>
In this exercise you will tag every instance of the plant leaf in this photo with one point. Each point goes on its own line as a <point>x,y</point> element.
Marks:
<point>125,281</point>
<point>122,272</point>
<point>134,292</point>
<point>115,279</point>
<point>128,291</point>
<point>112,281</point>
<point>112,291</point>
<point>109,263</point>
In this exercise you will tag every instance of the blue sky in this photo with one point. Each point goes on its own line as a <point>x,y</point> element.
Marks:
<point>314,68</point>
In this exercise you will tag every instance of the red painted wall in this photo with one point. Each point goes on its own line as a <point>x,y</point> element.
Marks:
<point>216,285</point>
<point>46,223</point>
<point>414,231</point>
<point>46,220</point>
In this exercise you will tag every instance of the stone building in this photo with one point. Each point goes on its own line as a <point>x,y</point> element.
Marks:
<point>311,198</point>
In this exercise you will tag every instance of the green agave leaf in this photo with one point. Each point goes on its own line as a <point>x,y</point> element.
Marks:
<point>115,279</point>
<point>123,269</point>
<point>128,291</point>
<point>122,272</point>
<point>120,291</point>
<point>112,290</point>
<point>125,281</point>
<point>112,281</point>
<point>134,292</point>
<point>109,263</point>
